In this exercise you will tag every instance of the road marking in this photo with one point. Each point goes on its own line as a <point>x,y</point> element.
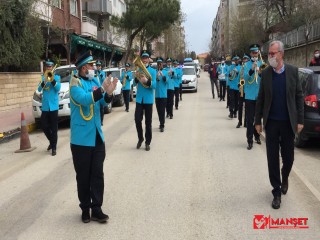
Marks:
<point>315,192</point>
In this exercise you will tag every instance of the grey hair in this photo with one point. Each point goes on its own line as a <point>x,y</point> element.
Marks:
<point>280,45</point>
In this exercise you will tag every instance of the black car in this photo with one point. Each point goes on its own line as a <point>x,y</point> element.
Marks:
<point>310,81</point>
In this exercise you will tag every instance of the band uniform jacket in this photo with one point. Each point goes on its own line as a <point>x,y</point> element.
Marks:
<point>85,112</point>
<point>252,82</point>
<point>145,95</point>
<point>294,96</point>
<point>170,78</point>
<point>162,82</point>
<point>128,80</point>
<point>50,94</point>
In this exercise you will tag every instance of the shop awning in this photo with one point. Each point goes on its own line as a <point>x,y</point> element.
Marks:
<point>77,40</point>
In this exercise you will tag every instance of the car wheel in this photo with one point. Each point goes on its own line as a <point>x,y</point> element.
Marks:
<point>300,140</point>
<point>121,100</point>
<point>108,109</point>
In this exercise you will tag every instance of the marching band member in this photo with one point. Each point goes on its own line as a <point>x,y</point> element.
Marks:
<point>241,93</point>
<point>50,86</point>
<point>170,88</point>
<point>177,81</point>
<point>126,79</point>
<point>252,83</point>
<point>87,140</point>
<point>144,100</point>
<point>161,92</point>
<point>234,78</point>
<point>101,76</point>
<point>222,76</point>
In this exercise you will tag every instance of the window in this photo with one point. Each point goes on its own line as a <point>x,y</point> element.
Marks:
<point>73,7</point>
<point>56,3</point>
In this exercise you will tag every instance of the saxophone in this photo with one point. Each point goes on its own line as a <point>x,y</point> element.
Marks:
<point>242,81</point>
<point>141,71</point>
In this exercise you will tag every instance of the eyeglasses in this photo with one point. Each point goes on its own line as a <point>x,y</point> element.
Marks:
<point>272,53</point>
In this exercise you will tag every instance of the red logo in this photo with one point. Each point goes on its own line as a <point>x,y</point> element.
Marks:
<point>267,222</point>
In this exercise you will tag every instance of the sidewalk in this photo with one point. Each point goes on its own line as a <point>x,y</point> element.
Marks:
<point>10,121</point>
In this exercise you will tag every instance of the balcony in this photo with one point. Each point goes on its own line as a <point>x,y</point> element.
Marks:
<point>102,7</point>
<point>89,27</point>
<point>43,10</point>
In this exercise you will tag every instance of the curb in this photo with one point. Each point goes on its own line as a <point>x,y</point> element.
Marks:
<point>15,133</point>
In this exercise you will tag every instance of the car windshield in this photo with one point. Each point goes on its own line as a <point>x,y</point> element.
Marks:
<point>64,73</point>
<point>188,71</point>
<point>317,80</point>
<point>115,73</point>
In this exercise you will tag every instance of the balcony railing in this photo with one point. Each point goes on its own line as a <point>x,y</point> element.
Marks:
<point>43,10</point>
<point>297,36</point>
<point>103,7</point>
<point>88,27</point>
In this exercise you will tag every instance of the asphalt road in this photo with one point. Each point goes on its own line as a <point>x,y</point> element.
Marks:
<point>198,182</point>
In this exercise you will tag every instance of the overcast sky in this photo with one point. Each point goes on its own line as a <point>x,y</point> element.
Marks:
<point>200,15</point>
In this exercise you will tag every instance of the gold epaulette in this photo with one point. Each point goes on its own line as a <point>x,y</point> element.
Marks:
<point>75,81</point>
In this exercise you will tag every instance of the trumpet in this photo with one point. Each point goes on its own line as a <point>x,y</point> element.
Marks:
<point>263,65</point>
<point>48,74</point>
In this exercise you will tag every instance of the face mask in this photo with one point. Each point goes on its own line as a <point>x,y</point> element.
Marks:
<point>273,62</point>
<point>90,74</point>
<point>317,55</point>
<point>254,59</point>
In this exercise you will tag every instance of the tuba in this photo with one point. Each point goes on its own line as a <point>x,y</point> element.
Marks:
<point>48,75</point>
<point>141,70</point>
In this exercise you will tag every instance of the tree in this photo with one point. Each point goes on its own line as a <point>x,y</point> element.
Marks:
<point>21,41</point>
<point>149,16</point>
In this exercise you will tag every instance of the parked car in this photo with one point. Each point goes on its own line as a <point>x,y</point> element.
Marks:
<point>310,81</point>
<point>64,98</point>
<point>189,79</point>
<point>117,94</point>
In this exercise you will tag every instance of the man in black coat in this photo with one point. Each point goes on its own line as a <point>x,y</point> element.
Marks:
<point>280,104</point>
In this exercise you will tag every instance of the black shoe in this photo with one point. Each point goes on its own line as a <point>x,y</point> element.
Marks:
<point>147,147</point>
<point>161,129</point>
<point>223,100</point>
<point>227,106</point>
<point>49,147</point>
<point>180,98</point>
<point>167,115</point>
<point>171,117</point>
<point>127,110</point>
<point>258,141</point>
<point>54,152</point>
<point>239,125</point>
<point>245,125</point>
<point>139,143</point>
<point>284,186</point>
<point>276,202</point>
<point>99,216</point>
<point>249,147</point>
<point>176,108</point>
<point>85,216</point>
<point>234,115</point>
<point>213,97</point>
<point>230,116</point>
<point>220,100</point>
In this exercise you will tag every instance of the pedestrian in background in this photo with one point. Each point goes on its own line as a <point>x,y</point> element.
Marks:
<point>280,104</point>
<point>213,78</point>
<point>315,61</point>
<point>50,86</point>
<point>87,143</point>
<point>223,72</point>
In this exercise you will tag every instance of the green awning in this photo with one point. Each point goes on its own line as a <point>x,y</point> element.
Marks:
<point>77,40</point>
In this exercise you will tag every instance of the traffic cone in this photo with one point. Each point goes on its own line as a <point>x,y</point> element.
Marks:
<point>25,145</point>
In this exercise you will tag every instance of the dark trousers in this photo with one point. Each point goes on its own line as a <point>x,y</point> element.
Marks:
<point>126,97</point>
<point>251,130</point>
<point>180,91</point>
<point>214,82</point>
<point>138,117</point>
<point>49,123</point>
<point>169,108</point>
<point>279,134</point>
<point>88,164</point>
<point>240,108</point>
<point>223,85</point>
<point>228,96</point>
<point>176,96</point>
<point>161,104</point>
<point>101,114</point>
<point>233,107</point>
